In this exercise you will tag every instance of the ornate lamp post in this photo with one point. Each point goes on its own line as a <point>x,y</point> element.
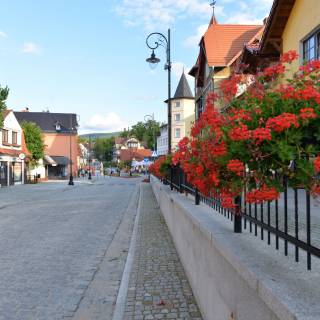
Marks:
<point>89,154</point>
<point>154,41</point>
<point>72,128</point>
<point>151,117</point>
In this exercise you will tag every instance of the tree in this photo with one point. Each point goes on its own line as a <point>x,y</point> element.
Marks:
<point>146,132</point>
<point>34,141</point>
<point>103,149</point>
<point>138,130</point>
<point>151,133</point>
<point>125,133</point>
<point>4,92</point>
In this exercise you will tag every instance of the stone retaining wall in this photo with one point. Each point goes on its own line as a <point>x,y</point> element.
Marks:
<point>236,276</point>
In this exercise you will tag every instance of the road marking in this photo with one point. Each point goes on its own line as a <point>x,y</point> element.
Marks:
<point>124,285</point>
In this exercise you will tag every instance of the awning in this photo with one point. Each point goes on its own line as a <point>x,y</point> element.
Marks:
<point>56,160</point>
<point>48,160</point>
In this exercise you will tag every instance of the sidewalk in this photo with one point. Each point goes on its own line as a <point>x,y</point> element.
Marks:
<point>158,287</point>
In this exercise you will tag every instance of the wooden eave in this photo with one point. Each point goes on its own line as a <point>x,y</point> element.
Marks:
<point>272,37</point>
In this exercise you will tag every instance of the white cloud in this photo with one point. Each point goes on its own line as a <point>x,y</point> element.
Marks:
<point>244,18</point>
<point>178,68</point>
<point>104,123</point>
<point>3,34</point>
<point>163,13</point>
<point>250,12</point>
<point>31,48</point>
<point>194,40</point>
<point>146,98</point>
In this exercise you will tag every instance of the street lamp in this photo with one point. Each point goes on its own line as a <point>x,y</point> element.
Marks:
<point>89,154</point>
<point>153,41</point>
<point>151,117</point>
<point>153,60</point>
<point>71,183</point>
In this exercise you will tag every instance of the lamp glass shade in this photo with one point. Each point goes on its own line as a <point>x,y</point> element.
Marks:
<point>153,60</point>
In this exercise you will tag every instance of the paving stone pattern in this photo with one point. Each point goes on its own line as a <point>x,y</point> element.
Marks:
<point>54,239</point>
<point>158,287</point>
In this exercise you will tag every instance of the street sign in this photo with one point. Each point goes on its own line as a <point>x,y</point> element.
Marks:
<point>154,154</point>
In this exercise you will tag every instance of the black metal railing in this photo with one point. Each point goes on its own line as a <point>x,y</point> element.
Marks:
<point>293,219</point>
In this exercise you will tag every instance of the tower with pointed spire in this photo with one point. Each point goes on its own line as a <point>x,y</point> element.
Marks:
<point>182,111</point>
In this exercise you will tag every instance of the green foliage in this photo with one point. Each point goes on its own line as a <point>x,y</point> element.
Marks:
<point>125,133</point>
<point>34,141</point>
<point>138,130</point>
<point>4,92</point>
<point>103,148</point>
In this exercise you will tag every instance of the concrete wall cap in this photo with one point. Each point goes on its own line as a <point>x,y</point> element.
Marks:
<point>286,287</point>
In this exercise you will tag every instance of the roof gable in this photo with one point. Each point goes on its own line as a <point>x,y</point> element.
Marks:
<point>10,121</point>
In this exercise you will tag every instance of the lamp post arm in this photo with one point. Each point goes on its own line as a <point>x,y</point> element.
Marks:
<point>156,39</point>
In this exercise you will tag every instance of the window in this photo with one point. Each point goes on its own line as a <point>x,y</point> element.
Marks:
<point>58,126</point>
<point>177,104</point>
<point>199,107</point>
<point>132,144</point>
<point>5,135</point>
<point>14,137</point>
<point>311,47</point>
<point>177,133</point>
<point>177,117</point>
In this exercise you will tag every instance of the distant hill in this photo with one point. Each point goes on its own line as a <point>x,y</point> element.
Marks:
<point>100,135</point>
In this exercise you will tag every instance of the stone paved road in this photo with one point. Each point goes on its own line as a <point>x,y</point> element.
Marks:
<point>158,287</point>
<point>53,240</point>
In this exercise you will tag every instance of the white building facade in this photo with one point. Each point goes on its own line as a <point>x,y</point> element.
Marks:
<point>13,151</point>
<point>162,141</point>
<point>182,111</point>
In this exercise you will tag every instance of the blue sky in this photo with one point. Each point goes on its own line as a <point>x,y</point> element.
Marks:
<point>88,57</point>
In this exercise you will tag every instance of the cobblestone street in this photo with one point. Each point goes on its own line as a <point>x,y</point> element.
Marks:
<point>158,287</point>
<point>57,241</point>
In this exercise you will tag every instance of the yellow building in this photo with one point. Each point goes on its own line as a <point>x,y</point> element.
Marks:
<point>293,25</point>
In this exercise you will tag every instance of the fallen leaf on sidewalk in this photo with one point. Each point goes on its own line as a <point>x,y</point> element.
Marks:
<point>161,303</point>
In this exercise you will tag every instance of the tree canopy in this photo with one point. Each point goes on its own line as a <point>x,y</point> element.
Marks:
<point>4,92</point>
<point>34,141</point>
<point>146,132</point>
<point>103,148</point>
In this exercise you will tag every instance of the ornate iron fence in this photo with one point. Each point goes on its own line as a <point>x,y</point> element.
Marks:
<point>292,219</point>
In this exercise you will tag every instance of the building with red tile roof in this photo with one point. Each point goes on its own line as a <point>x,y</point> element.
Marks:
<point>134,154</point>
<point>130,149</point>
<point>224,42</point>
<point>219,48</point>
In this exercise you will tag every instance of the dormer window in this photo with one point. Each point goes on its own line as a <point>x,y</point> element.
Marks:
<point>58,126</point>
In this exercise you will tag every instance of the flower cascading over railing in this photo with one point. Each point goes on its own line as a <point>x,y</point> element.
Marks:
<point>268,135</point>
